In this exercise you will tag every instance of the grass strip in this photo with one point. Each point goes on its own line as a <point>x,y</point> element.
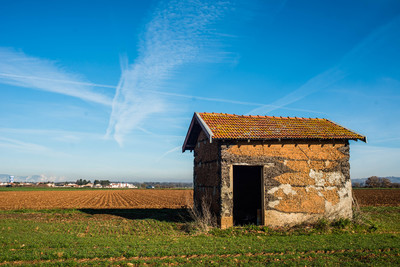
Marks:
<point>70,237</point>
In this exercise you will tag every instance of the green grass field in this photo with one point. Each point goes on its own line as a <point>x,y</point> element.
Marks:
<point>126,237</point>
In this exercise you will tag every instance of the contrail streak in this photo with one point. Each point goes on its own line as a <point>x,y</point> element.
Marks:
<point>338,72</point>
<point>221,100</point>
<point>19,69</point>
<point>179,33</point>
<point>55,80</point>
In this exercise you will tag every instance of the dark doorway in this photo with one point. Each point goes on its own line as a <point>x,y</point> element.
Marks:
<point>247,194</point>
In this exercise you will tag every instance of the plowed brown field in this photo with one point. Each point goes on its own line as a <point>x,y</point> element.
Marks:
<point>377,197</point>
<point>145,199</point>
<point>96,199</point>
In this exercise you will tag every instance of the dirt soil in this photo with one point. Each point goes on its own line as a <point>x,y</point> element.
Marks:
<point>96,199</point>
<point>377,197</point>
<point>145,199</point>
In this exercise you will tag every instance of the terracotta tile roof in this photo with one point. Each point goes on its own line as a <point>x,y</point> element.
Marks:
<point>228,126</point>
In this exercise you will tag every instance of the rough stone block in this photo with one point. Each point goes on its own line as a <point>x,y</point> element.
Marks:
<point>226,222</point>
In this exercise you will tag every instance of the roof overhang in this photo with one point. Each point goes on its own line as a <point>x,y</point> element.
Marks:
<point>217,121</point>
<point>362,138</point>
<point>196,126</point>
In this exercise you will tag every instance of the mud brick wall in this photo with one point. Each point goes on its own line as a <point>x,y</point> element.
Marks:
<point>302,181</point>
<point>206,174</point>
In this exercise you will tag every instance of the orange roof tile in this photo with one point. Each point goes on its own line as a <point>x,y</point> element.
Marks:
<point>228,126</point>
<point>240,127</point>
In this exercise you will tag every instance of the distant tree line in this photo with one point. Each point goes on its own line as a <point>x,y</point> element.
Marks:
<point>102,182</point>
<point>85,182</point>
<point>377,182</point>
<point>159,185</point>
<point>82,182</point>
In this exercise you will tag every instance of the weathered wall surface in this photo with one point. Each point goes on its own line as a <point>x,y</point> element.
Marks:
<point>206,173</point>
<point>302,182</point>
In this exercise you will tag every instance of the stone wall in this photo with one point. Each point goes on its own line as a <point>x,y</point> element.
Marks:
<point>302,181</point>
<point>206,173</point>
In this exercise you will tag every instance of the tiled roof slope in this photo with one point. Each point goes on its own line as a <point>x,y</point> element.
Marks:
<point>228,126</point>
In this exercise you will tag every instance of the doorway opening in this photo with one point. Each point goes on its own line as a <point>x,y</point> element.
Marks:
<point>247,197</point>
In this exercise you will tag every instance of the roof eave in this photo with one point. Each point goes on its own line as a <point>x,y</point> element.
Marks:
<point>185,146</point>
<point>204,127</point>
<point>362,137</point>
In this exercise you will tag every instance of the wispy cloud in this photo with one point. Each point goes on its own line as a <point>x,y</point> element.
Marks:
<point>319,82</point>
<point>179,33</point>
<point>348,64</point>
<point>225,100</point>
<point>175,149</point>
<point>161,93</point>
<point>58,135</point>
<point>19,69</point>
<point>25,147</point>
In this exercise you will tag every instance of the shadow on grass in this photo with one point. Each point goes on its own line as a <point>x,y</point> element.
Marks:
<point>166,215</point>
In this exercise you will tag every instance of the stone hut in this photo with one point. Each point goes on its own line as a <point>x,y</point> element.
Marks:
<point>271,171</point>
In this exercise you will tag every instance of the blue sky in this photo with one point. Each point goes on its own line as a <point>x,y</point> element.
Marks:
<point>107,89</point>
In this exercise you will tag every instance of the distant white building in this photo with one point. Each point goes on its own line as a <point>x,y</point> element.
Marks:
<point>122,185</point>
<point>131,186</point>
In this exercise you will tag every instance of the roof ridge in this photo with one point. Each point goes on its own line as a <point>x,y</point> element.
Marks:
<point>259,116</point>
